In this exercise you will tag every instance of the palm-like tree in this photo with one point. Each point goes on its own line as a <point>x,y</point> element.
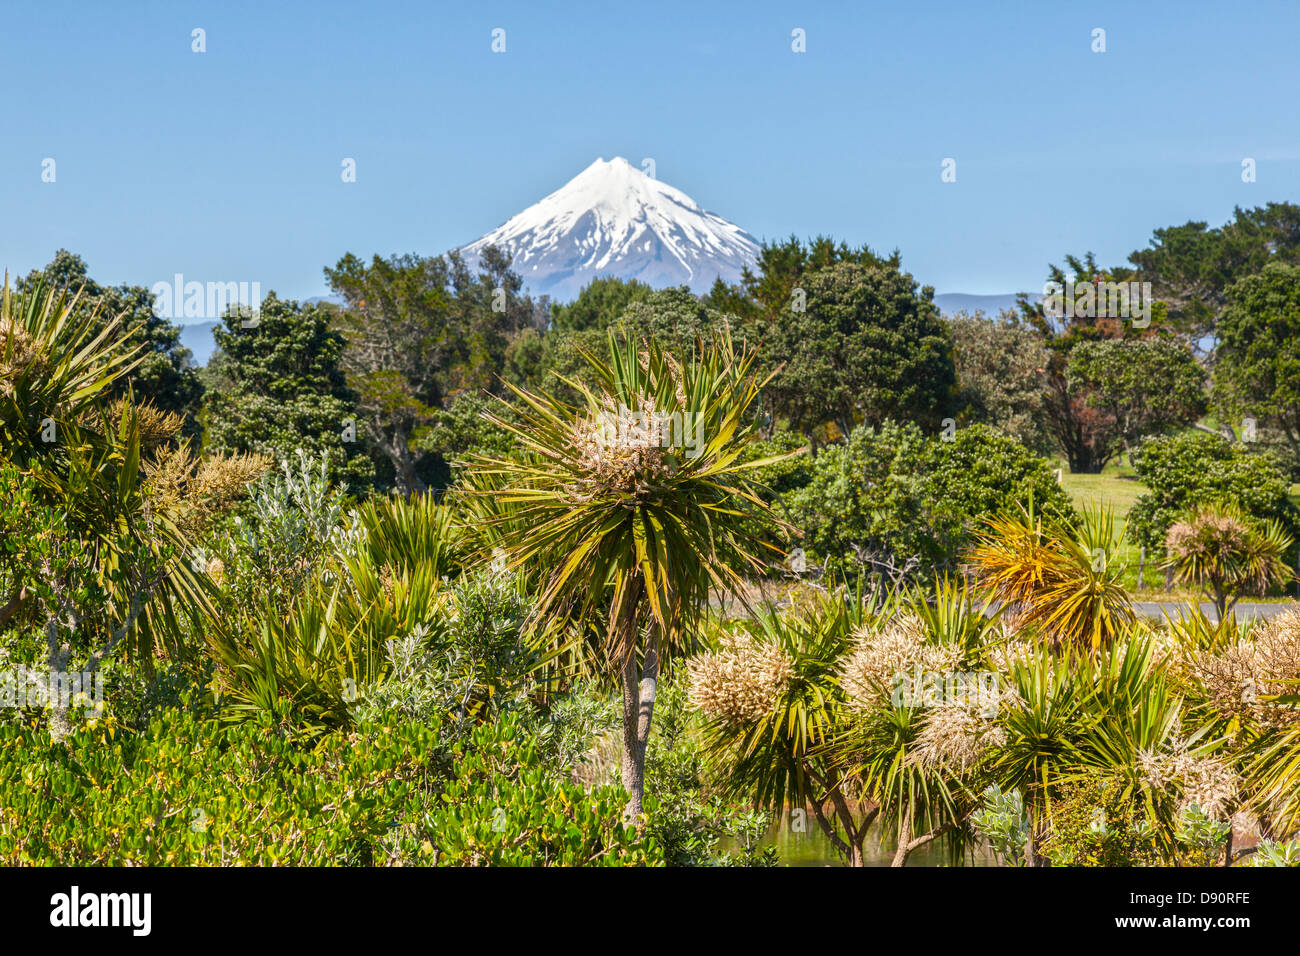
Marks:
<point>53,367</point>
<point>920,800</point>
<point>786,756</point>
<point>635,505</point>
<point>115,574</point>
<point>1224,551</point>
<point>1078,711</point>
<point>1061,575</point>
<point>1042,733</point>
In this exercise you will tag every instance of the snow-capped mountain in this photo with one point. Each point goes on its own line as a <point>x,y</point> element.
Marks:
<point>614,220</point>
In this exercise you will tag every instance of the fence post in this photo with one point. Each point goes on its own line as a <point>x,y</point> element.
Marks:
<point>1142,560</point>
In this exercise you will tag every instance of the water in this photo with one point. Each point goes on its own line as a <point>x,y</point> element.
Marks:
<point>810,847</point>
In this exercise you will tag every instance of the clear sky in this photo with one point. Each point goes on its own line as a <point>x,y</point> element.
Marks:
<point>225,166</point>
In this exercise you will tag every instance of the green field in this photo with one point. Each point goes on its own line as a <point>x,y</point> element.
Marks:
<point>1118,488</point>
<point>1114,490</point>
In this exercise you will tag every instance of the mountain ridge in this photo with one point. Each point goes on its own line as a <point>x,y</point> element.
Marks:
<point>613,219</point>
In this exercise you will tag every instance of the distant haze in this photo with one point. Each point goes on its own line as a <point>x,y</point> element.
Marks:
<point>990,305</point>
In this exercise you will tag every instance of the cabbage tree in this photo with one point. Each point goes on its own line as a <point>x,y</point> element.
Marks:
<point>635,505</point>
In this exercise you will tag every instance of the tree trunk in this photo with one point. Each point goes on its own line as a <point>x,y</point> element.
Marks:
<point>855,832</point>
<point>633,757</point>
<point>408,482</point>
<point>907,843</point>
<point>843,847</point>
<point>1037,833</point>
<point>13,604</point>
<point>1220,599</point>
<point>904,840</point>
<point>638,713</point>
<point>395,442</point>
<point>57,659</point>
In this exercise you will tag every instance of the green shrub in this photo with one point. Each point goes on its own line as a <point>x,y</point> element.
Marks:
<point>1002,821</point>
<point>473,663</point>
<point>404,534</point>
<point>292,524</point>
<point>503,806</point>
<point>366,598</point>
<point>191,791</point>
<point>1185,471</point>
<point>689,818</point>
<point>776,481</point>
<point>787,475</point>
<point>894,499</point>
<point>1271,853</point>
<point>1097,822</point>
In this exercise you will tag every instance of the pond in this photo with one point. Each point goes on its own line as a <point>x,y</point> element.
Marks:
<point>800,842</point>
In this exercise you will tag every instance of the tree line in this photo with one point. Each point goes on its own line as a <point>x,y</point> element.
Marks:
<point>391,384</point>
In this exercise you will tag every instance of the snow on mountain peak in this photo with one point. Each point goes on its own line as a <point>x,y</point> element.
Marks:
<point>613,219</point>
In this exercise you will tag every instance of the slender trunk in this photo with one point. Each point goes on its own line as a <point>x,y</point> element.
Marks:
<point>855,853</point>
<point>13,604</point>
<point>829,829</point>
<point>907,844</point>
<point>1220,599</point>
<point>904,840</point>
<point>639,689</point>
<point>633,757</point>
<point>1037,833</point>
<point>57,660</point>
<point>855,832</point>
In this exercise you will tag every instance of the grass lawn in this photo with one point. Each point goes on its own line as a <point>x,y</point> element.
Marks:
<point>1114,490</point>
<point>1118,488</point>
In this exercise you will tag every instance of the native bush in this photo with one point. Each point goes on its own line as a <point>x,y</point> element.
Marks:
<point>193,791</point>
<point>189,790</point>
<point>1193,469</point>
<point>503,806</point>
<point>895,500</point>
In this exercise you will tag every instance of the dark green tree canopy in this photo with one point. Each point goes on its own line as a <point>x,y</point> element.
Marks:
<point>904,503</point>
<point>1084,433</point>
<point>867,343</point>
<point>600,304</point>
<point>419,330</point>
<point>1192,266</point>
<point>1142,386</point>
<point>165,379</point>
<point>278,386</point>
<point>1197,469</point>
<point>1258,359</point>
<point>782,267</point>
<point>1001,367</point>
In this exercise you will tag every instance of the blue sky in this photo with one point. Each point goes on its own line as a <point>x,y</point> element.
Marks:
<point>225,165</point>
